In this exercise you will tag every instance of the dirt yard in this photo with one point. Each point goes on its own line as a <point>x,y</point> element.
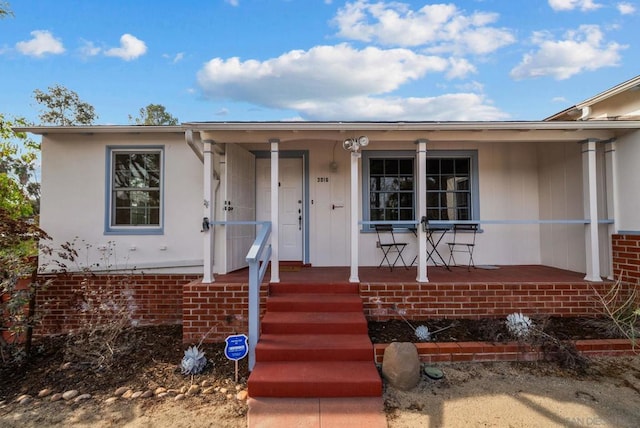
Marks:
<point>605,394</point>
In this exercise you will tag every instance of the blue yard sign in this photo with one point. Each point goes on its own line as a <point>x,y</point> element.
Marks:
<point>237,347</point>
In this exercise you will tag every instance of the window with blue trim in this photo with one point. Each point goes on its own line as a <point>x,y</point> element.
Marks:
<point>135,190</point>
<point>449,195</point>
<point>390,195</point>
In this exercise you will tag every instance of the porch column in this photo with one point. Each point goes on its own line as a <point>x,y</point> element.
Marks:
<point>208,212</point>
<point>590,192</point>
<point>612,197</point>
<point>355,229</point>
<point>421,148</point>
<point>275,214</point>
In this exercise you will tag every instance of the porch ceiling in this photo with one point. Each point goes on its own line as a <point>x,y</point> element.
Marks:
<point>253,132</point>
<point>257,132</point>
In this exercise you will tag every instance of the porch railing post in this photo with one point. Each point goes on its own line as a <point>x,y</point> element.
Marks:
<point>208,213</point>
<point>355,156</point>
<point>590,193</point>
<point>275,213</point>
<point>258,259</point>
<point>612,198</point>
<point>422,210</point>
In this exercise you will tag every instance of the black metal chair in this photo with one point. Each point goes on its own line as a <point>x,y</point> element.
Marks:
<point>464,241</point>
<point>389,246</point>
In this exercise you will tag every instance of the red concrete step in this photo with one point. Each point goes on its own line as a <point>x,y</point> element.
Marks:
<point>312,302</point>
<point>321,347</point>
<point>314,323</point>
<point>348,288</point>
<point>315,379</point>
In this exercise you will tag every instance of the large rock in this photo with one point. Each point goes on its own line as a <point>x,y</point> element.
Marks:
<point>401,365</point>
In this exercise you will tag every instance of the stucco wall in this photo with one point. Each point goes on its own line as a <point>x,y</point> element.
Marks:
<point>73,202</point>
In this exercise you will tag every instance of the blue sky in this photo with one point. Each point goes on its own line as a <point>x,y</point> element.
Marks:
<point>255,60</point>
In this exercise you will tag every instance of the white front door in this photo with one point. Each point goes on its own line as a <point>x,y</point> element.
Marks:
<point>291,224</point>
<point>239,204</point>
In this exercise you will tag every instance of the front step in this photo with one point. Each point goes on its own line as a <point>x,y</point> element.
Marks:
<point>314,343</point>
<point>314,323</point>
<point>315,379</point>
<point>310,347</point>
<point>314,302</point>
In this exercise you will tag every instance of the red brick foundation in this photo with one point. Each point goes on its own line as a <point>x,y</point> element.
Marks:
<point>214,311</point>
<point>383,301</point>
<point>626,257</point>
<point>152,299</point>
<point>437,352</point>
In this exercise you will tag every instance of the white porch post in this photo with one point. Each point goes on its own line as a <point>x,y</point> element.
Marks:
<point>421,148</point>
<point>275,215</point>
<point>208,212</point>
<point>612,197</point>
<point>355,229</point>
<point>590,191</point>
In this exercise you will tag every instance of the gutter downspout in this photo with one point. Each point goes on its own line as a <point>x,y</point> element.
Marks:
<point>586,113</point>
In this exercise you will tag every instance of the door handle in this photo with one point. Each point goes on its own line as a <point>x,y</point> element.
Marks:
<point>334,206</point>
<point>299,222</point>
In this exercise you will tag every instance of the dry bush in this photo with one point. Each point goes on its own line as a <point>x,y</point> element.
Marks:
<point>105,311</point>
<point>106,307</point>
<point>620,305</point>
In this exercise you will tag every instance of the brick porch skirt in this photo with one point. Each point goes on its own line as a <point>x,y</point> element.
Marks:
<point>437,352</point>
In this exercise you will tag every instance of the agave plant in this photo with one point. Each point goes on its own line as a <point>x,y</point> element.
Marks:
<point>519,325</point>
<point>193,361</point>
<point>423,333</point>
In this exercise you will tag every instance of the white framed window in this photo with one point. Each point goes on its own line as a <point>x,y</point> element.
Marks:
<point>135,190</point>
<point>390,193</point>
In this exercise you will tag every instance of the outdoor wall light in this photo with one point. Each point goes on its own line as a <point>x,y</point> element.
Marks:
<point>354,144</point>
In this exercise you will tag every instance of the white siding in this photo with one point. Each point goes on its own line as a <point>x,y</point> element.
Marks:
<point>628,159</point>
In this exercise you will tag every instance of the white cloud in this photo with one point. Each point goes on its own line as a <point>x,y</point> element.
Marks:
<point>338,82</point>
<point>583,5</point>
<point>41,44</point>
<point>460,68</point>
<point>559,100</point>
<point>89,49</point>
<point>130,48</point>
<point>322,72</point>
<point>580,50</point>
<point>438,28</point>
<point>462,106</point>
<point>626,8</point>
<point>175,58</point>
<point>233,2</point>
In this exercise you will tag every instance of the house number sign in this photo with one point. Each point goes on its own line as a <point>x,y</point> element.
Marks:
<point>322,179</point>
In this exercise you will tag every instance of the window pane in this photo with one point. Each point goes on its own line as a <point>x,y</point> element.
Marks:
<point>406,200</point>
<point>391,167</point>
<point>376,166</point>
<point>446,166</point>
<point>406,183</point>
<point>135,184</point>
<point>374,183</point>
<point>406,166</point>
<point>462,166</point>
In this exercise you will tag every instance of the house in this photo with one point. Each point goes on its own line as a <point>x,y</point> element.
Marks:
<point>185,203</point>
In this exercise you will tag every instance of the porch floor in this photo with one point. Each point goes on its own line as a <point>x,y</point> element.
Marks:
<point>436,274</point>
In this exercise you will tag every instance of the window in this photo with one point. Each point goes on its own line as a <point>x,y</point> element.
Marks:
<point>391,195</point>
<point>449,188</point>
<point>391,189</point>
<point>135,190</point>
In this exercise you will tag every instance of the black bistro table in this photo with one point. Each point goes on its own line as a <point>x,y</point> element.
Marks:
<point>439,230</point>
